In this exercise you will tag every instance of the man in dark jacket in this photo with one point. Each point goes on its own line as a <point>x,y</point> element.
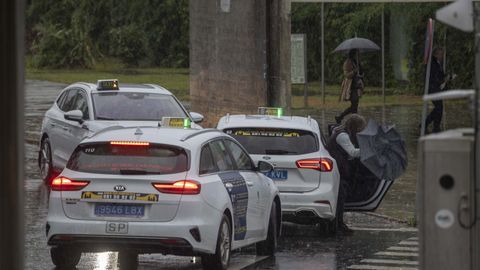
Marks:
<point>343,146</point>
<point>437,82</point>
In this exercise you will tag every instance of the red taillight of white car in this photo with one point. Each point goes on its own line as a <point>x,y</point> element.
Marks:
<point>65,184</point>
<point>184,187</point>
<point>319,164</point>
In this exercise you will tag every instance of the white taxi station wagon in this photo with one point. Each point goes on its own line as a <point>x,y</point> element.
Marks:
<point>305,173</point>
<point>170,190</point>
<point>82,109</point>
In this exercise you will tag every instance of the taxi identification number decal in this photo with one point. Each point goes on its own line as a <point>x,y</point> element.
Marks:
<point>238,193</point>
<point>127,196</point>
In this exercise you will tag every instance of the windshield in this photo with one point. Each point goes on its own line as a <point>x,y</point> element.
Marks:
<point>104,158</point>
<point>135,106</point>
<point>263,141</point>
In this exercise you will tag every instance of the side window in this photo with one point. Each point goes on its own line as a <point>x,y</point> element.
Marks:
<point>69,102</point>
<point>241,158</point>
<point>206,161</point>
<point>81,104</point>
<point>221,158</point>
<point>61,99</point>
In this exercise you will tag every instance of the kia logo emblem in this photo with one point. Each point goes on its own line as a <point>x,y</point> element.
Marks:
<point>119,188</point>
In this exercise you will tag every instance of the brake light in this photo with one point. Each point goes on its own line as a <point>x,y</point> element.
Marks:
<point>64,184</point>
<point>129,143</point>
<point>186,187</point>
<point>319,164</point>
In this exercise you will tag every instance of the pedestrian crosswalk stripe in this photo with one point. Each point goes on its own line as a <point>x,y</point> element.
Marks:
<point>397,254</point>
<point>377,267</point>
<point>413,239</point>
<point>385,261</point>
<point>409,243</point>
<point>413,249</point>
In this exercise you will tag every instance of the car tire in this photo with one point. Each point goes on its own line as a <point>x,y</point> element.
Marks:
<point>269,245</point>
<point>332,226</point>
<point>221,259</point>
<point>65,258</point>
<point>127,259</point>
<point>45,160</point>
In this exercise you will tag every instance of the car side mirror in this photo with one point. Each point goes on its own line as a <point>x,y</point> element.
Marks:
<point>75,115</point>
<point>196,117</point>
<point>264,167</point>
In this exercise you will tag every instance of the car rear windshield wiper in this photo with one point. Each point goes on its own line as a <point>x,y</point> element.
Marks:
<point>132,172</point>
<point>278,152</point>
<point>104,118</point>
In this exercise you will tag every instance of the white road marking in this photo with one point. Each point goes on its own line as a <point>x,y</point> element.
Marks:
<point>385,261</point>
<point>404,229</point>
<point>377,267</point>
<point>397,254</point>
<point>413,239</point>
<point>244,261</point>
<point>409,243</point>
<point>413,249</point>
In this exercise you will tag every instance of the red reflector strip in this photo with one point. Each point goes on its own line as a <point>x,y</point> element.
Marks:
<point>129,143</point>
<point>186,187</point>
<point>64,184</point>
<point>319,164</point>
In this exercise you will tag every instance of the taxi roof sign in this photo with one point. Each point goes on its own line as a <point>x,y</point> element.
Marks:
<point>176,122</point>
<point>271,111</point>
<point>111,84</point>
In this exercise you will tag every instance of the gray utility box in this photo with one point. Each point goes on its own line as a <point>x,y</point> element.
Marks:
<point>448,235</point>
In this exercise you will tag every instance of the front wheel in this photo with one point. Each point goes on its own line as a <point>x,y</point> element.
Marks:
<point>269,245</point>
<point>221,258</point>
<point>65,258</point>
<point>45,160</point>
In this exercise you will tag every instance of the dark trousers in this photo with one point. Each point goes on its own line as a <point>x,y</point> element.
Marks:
<point>435,116</point>
<point>342,197</point>
<point>354,99</point>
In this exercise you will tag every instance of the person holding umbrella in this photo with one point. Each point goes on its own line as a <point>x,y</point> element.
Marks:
<point>352,84</point>
<point>343,146</point>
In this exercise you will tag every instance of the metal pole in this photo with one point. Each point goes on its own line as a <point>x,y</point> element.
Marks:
<point>476,183</point>
<point>11,149</point>
<point>383,53</point>
<point>445,70</point>
<point>323,53</point>
<point>305,85</point>
<point>427,82</point>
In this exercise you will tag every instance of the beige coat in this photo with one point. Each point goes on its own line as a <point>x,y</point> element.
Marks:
<point>349,71</point>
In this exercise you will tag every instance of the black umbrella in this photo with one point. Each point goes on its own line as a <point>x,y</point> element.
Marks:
<point>382,151</point>
<point>362,44</point>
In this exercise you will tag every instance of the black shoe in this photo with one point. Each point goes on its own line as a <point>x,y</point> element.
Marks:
<point>338,119</point>
<point>343,228</point>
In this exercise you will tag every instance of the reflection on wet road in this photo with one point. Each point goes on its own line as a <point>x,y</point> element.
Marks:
<point>301,247</point>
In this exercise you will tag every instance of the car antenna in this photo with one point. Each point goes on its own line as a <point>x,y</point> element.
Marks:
<point>309,119</point>
<point>228,118</point>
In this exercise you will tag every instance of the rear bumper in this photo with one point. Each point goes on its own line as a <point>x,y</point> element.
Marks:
<point>194,230</point>
<point>176,246</point>
<point>308,207</point>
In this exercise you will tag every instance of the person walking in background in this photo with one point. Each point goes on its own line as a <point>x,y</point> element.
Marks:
<point>437,83</point>
<point>343,146</point>
<point>352,84</point>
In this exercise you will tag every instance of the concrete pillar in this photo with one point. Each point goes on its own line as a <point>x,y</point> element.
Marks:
<point>279,83</point>
<point>228,57</point>
<point>11,119</point>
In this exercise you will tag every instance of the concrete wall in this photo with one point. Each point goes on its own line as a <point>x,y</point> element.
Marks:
<point>227,57</point>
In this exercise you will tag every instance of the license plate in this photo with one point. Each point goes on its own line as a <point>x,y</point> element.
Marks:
<point>277,174</point>
<point>117,227</point>
<point>119,210</point>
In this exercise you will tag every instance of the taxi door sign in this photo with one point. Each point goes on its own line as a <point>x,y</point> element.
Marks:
<point>237,190</point>
<point>271,111</point>
<point>176,122</point>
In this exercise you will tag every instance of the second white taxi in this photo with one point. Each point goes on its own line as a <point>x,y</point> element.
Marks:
<point>162,190</point>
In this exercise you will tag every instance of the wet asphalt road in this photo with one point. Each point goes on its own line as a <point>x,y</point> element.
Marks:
<point>376,241</point>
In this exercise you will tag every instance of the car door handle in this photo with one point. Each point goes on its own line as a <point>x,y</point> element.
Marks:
<point>249,183</point>
<point>52,125</point>
<point>65,128</point>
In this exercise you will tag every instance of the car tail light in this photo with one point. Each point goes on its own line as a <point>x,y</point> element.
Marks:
<point>319,164</point>
<point>130,143</point>
<point>64,184</point>
<point>187,187</point>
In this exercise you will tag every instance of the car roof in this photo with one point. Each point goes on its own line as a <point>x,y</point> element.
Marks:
<point>161,135</point>
<point>124,87</point>
<point>265,121</point>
